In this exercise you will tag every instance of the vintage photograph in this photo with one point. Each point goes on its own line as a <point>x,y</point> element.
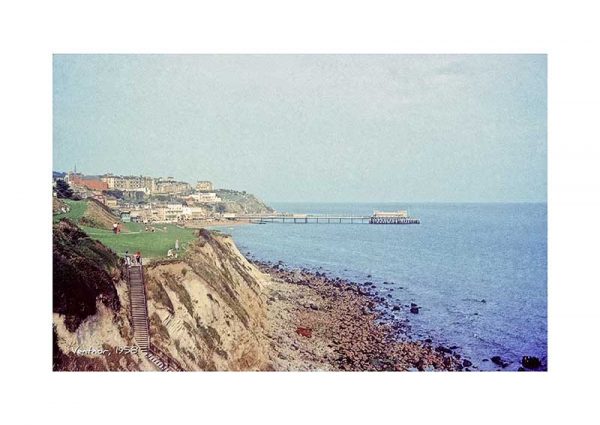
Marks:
<point>299,212</point>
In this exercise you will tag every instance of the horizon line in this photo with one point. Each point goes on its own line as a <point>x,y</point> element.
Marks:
<point>411,202</point>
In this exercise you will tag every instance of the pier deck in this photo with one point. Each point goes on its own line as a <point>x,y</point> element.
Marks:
<point>323,218</point>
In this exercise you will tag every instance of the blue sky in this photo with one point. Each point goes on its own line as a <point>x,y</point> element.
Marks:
<point>359,128</point>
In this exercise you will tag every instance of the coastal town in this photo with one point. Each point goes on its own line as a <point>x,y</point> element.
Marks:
<point>150,200</point>
<point>145,199</point>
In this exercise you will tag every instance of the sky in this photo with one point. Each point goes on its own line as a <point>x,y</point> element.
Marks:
<point>321,128</point>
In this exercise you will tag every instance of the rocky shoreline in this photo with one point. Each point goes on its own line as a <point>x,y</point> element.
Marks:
<point>362,329</point>
<point>341,325</point>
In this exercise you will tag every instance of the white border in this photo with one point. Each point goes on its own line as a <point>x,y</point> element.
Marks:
<point>31,32</point>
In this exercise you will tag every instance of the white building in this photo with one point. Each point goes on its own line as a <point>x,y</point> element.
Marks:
<point>205,198</point>
<point>193,213</point>
<point>383,214</point>
<point>204,186</point>
<point>174,212</point>
<point>130,183</point>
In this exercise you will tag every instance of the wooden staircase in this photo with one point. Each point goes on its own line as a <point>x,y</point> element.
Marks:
<point>141,328</point>
<point>157,362</point>
<point>139,308</point>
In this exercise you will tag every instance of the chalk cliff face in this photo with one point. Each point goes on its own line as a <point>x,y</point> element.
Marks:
<point>207,311</point>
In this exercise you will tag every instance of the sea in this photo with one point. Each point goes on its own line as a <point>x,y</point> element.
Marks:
<point>478,272</point>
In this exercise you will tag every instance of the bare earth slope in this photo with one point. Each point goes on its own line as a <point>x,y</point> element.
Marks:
<point>208,311</point>
<point>98,216</point>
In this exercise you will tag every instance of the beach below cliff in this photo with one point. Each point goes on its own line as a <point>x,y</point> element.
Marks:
<point>320,323</point>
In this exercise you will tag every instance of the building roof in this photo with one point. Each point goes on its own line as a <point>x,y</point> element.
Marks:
<point>91,184</point>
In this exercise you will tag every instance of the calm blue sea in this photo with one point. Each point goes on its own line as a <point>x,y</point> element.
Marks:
<point>460,255</point>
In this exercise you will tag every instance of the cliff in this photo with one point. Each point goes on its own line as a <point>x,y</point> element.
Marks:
<point>84,272</point>
<point>207,311</point>
<point>240,202</point>
<point>90,304</point>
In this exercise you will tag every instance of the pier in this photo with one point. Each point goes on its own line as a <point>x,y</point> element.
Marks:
<point>400,217</point>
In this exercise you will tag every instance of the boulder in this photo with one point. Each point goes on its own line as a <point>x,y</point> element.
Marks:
<point>442,349</point>
<point>499,361</point>
<point>531,362</point>
<point>297,276</point>
<point>305,332</point>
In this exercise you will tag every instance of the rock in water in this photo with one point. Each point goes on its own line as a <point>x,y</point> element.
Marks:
<point>531,362</point>
<point>443,349</point>
<point>498,360</point>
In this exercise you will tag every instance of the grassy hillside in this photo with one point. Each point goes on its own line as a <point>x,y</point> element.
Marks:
<point>96,221</point>
<point>88,213</point>
<point>77,211</point>
<point>150,244</point>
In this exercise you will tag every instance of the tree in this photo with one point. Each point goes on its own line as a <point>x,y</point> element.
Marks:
<point>220,208</point>
<point>115,193</point>
<point>63,190</point>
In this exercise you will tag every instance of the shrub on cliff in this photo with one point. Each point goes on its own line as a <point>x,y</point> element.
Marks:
<point>83,271</point>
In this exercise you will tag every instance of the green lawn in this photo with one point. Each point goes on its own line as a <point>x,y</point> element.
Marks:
<point>77,210</point>
<point>150,244</point>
